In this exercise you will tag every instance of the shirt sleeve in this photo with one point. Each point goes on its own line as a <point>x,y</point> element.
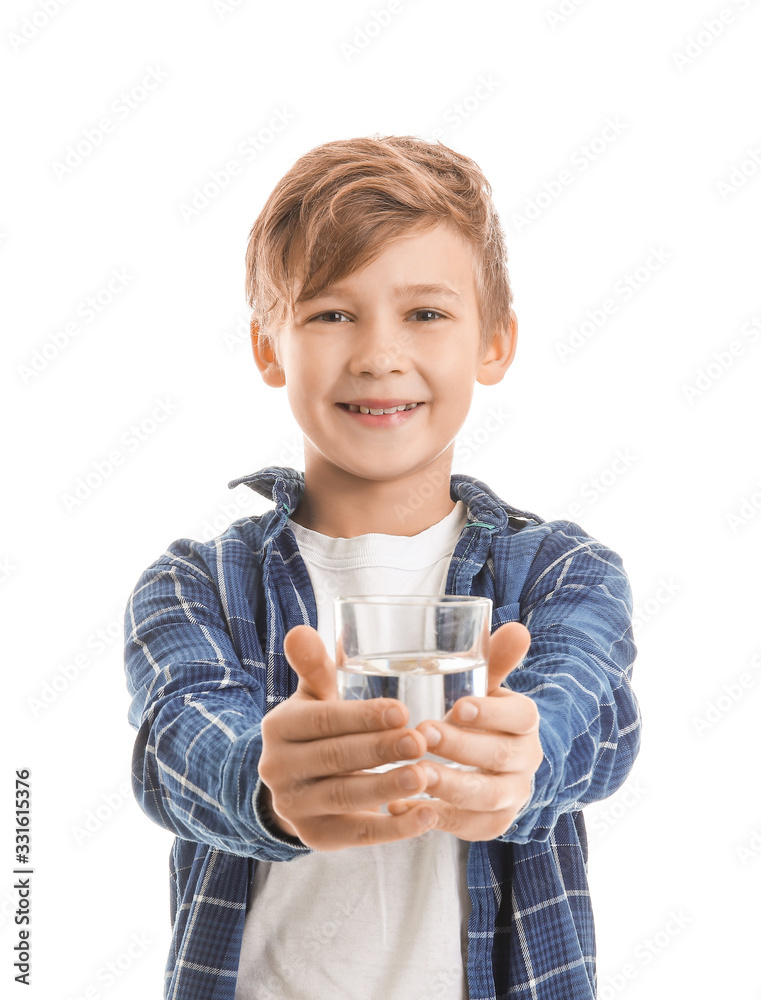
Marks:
<point>197,710</point>
<point>577,605</point>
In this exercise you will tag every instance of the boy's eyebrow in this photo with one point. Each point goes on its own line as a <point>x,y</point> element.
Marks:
<point>401,291</point>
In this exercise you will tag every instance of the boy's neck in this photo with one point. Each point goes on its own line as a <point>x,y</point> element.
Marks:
<point>340,505</point>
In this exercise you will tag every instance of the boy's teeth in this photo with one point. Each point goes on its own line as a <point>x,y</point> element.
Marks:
<point>376,413</point>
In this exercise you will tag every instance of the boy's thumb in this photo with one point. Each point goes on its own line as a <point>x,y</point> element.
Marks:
<point>507,646</point>
<point>306,653</point>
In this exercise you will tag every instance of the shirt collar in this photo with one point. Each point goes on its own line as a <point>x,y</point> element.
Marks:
<point>285,487</point>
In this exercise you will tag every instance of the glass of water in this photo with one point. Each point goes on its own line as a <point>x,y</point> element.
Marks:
<point>426,651</point>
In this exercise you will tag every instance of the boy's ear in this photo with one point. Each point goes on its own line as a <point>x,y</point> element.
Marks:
<point>500,353</point>
<point>266,358</point>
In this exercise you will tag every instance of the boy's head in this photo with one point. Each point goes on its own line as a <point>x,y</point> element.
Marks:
<point>343,203</point>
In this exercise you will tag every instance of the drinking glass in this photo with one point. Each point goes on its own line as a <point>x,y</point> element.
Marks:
<point>426,651</point>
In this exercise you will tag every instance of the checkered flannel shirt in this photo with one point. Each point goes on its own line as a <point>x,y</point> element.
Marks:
<point>204,631</point>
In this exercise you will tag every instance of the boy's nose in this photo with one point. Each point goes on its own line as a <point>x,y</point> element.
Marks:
<point>381,348</point>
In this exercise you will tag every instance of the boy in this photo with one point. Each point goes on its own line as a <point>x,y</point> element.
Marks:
<point>377,275</point>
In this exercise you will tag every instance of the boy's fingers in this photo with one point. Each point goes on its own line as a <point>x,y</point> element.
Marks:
<point>306,721</point>
<point>507,647</point>
<point>306,653</point>
<point>474,791</point>
<point>497,752</point>
<point>351,793</point>
<point>353,752</point>
<point>464,824</point>
<point>503,711</point>
<point>332,833</point>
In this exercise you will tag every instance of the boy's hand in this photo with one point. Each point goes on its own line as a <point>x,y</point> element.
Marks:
<point>501,738</point>
<point>312,746</point>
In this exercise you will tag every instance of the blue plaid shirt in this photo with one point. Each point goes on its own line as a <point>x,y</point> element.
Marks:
<point>204,631</point>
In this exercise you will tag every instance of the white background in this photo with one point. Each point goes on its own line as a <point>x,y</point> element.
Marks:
<point>651,402</point>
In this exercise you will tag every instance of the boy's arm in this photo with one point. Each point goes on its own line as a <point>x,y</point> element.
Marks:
<point>197,711</point>
<point>577,606</point>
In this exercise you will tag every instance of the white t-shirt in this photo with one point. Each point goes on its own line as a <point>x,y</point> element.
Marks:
<point>388,922</point>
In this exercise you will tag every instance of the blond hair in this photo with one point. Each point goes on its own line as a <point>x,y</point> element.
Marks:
<point>343,203</point>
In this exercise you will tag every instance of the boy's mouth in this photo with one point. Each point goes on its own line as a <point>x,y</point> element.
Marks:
<point>378,407</point>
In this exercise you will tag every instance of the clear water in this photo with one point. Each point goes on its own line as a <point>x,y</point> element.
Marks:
<point>427,683</point>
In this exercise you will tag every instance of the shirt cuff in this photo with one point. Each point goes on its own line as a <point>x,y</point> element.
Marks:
<point>267,822</point>
<point>524,808</point>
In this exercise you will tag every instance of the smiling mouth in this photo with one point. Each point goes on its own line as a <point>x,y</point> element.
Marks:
<point>354,408</point>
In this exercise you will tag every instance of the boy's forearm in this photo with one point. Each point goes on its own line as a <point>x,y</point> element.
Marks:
<point>209,794</point>
<point>588,748</point>
<point>197,711</point>
<point>578,671</point>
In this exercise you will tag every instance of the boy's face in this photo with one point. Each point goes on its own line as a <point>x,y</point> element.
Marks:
<point>403,330</point>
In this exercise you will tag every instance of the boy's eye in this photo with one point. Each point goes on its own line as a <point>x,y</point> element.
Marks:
<point>336,316</point>
<point>427,314</point>
<point>330,316</point>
